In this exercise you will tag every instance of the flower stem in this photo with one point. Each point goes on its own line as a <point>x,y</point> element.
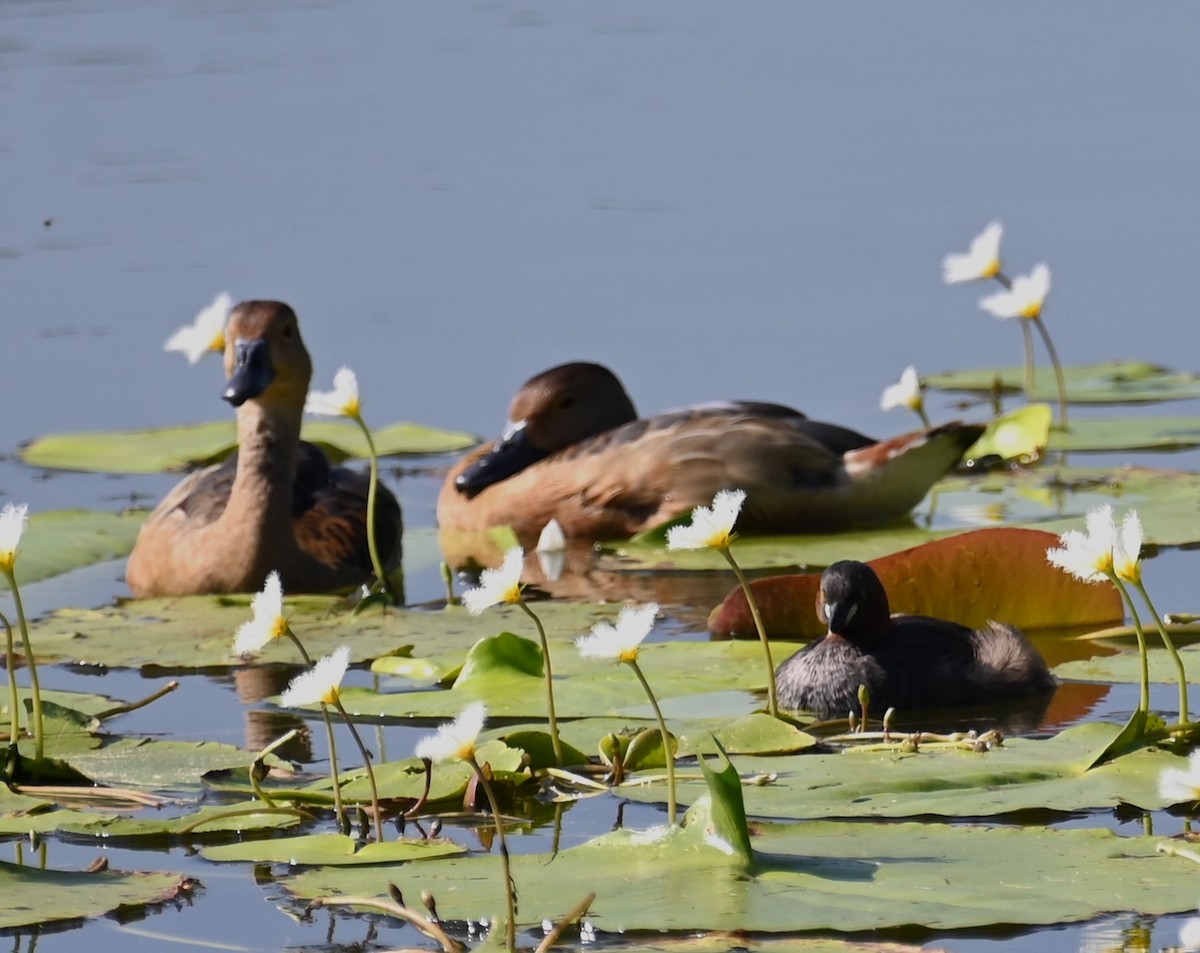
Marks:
<point>510,888</point>
<point>772,695</point>
<point>338,807</point>
<point>300,646</point>
<point>14,698</point>
<point>555,741</point>
<point>1028,335</point>
<point>1144,702</point>
<point>1059,378</point>
<point>372,492</point>
<point>39,734</point>
<point>1184,714</point>
<point>668,753</point>
<point>375,811</point>
<point>920,409</point>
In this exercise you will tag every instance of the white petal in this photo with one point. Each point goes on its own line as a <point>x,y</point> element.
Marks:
<point>267,607</point>
<point>455,739</point>
<point>205,333</point>
<point>981,261</point>
<point>497,585</point>
<point>320,683</point>
<point>342,401</point>
<point>12,524</point>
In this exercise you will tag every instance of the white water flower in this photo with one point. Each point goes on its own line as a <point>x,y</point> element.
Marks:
<point>456,739</point>
<point>619,642</point>
<point>710,528</point>
<point>1088,556</point>
<point>342,401</point>
<point>1127,549</point>
<point>1181,785</point>
<point>268,622</point>
<point>205,333</point>
<point>982,261</point>
<point>12,524</point>
<point>321,683</point>
<point>1024,299</point>
<point>904,393</point>
<point>497,586</point>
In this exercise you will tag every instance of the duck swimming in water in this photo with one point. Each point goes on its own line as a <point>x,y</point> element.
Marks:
<point>906,661</point>
<point>576,451</point>
<point>277,503</point>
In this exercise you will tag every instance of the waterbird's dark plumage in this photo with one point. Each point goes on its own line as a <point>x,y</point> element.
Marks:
<point>906,661</point>
<point>278,503</point>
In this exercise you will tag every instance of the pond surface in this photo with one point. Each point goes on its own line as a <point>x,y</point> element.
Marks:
<point>715,200</point>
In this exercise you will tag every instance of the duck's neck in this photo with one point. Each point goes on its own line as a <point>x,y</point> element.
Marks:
<point>260,503</point>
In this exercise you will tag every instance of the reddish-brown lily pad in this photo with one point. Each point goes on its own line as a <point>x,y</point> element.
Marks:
<point>997,574</point>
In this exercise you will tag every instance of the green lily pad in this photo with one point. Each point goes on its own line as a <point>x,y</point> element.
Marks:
<point>155,764</point>
<point>1128,433</point>
<point>197,631</point>
<point>33,897</point>
<point>181,448</point>
<point>224,820</point>
<point>1021,434</point>
<point>1020,775</point>
<point>1113,382</point>
<point>332,850</point>
<point>58,541</point>
<point>1125,668</point>
<point>821,875</point>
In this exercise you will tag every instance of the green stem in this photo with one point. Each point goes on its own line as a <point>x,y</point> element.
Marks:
<point>300,646</point>
<point>510,888</point>
<point>1028,335</point>
<point>555,741</point>
<point>772,695</point>
<point>372,490</point>
<point>338,807</point>
<point>39,734</point>
<point>1059,378</point>
<point>920,409</point>
<point>14,698</point>
<point>1144,703</point>
<point>376,812</point>
<point>668,753</point>
<point>1184,713</point>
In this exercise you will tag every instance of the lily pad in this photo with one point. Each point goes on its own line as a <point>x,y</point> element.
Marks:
<point>180,448</point>
<point>1020,434</point>
<point>987,574</point>
<point>332,850</point>
<point>822,875</point>
<point>1019,775</point>
<point>1128,433</point>
<point>1112,382</point>
<point>155,764</point>
<point>1125,668</point>
<point>224,820</point>
<point>58,541</point>
<point>33,897</point>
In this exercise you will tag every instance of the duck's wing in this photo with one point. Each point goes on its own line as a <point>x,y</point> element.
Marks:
<point>200,497</point>
<point>329,513</point>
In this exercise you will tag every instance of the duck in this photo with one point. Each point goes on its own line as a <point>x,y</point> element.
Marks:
<point>277,503</point>
<point>576,451</point>
<point>907,662</point>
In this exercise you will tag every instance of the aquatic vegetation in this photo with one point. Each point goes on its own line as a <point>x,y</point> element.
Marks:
<point>712,528</point>
<point>906,392</point>
<point>206,332</point>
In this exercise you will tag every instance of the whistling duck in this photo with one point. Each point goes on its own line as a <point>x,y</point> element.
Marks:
<point>906,661</point>
<point>277,503</point>
<point>574,450</point>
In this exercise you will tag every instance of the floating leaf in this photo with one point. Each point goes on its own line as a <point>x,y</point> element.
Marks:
<point>1114,382</point>
<point>1128,433</point>
<point>987,574</point>
<point>821,875</point>
<point>160,765</point>
<point>180,448</point>
<point>57,541</point>
<point>223,820</point>
<point>332,850</point>
<point>952,781</point>
<point>1021,434</point>
<point>1126,667</point>
<point>34,897</point>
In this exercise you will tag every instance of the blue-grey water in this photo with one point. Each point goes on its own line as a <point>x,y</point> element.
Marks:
<point>717,200</point>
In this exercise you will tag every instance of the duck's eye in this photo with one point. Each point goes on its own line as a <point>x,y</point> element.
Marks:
<point>566,403</point>
<point>287,330</point>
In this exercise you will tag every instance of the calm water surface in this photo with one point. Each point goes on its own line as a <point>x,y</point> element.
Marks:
<point>716,200</point>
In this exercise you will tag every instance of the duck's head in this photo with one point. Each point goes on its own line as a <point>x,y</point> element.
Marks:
<point>853,602</point>
<point>265,358</point>
<point>551,411</point>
